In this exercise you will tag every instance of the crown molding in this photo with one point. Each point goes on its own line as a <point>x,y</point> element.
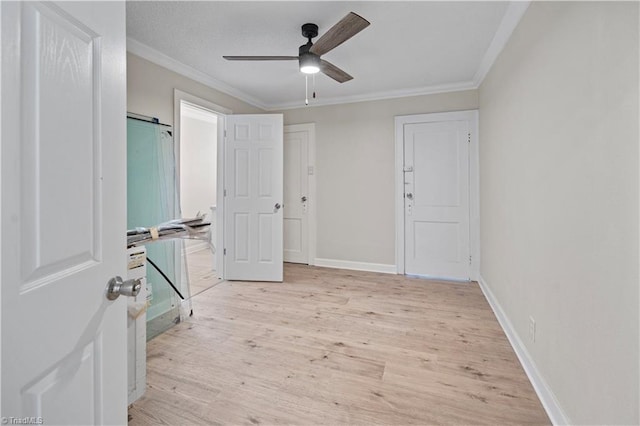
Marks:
<point>378,96</point>
<point>510,20</point>
<point>159,58</point>
<point>150,54</point>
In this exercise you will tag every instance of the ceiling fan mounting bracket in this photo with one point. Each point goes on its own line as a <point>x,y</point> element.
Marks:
<point>309,31</point>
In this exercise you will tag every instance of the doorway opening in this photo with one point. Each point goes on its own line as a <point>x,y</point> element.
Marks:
<point>198,187</point>
<point>198,132</point>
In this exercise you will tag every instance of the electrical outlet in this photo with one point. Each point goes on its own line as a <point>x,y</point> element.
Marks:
<point>532,329</point>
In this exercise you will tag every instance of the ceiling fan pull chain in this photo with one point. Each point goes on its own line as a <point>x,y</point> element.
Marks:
<point>314,86</point>
<point>306,90</point>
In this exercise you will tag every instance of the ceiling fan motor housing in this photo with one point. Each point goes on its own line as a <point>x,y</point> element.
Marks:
<point>306,58</point>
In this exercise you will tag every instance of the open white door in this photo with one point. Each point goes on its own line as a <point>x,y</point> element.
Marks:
<point>63,212</point>
<point>253,181</point>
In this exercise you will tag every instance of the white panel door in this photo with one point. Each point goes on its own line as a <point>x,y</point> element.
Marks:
<point>63,212</point>
<point>253,182</point>
<point>296,196</point>
<point>436,180</point>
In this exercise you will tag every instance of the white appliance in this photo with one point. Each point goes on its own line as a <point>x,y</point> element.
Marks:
<point>137,324</point>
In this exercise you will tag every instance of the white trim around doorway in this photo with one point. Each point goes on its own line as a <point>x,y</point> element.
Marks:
<point>197,102</point>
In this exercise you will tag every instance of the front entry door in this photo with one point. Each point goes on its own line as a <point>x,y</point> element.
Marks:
<point>436,200</point>
<point>63,212</point>
<point>253,197</point>
<point>296,196</point>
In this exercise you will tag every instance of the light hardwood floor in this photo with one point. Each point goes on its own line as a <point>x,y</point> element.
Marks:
<point>331,346</point>
<point>201,273</point>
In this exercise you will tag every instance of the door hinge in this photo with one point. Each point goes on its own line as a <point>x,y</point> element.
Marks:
<point>470,259</point>
<point>224,192</point>
<point>469,137</point>
<point>225,133</point>
<point>224,252</point>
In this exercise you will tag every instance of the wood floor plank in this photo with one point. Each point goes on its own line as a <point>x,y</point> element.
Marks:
<point>331,346</point>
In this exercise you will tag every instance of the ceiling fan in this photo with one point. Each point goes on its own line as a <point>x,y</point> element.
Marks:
<point>309,54</point>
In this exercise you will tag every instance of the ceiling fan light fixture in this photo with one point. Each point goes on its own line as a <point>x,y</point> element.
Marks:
<point>309,63</point>
<point>310,69</point>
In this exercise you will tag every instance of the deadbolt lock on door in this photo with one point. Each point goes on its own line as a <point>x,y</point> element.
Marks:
<point>116,287</point>
<point>409,196</point>
<point>304,199</point>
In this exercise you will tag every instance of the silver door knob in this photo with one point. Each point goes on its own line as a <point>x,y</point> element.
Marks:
<point>117,287</point>
<point>409,196</point>
<point>304,199</point>
<point>276,207</point>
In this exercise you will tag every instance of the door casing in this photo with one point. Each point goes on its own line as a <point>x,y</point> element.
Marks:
<point>474,188</point>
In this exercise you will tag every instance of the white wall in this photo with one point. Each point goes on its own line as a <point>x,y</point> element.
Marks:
<point>198,154</point>
<point>198,167</point>
<point>355,171</point>
<point>559,200</point>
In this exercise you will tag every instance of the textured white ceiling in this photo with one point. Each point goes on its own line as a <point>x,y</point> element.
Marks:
<point>410,47</point>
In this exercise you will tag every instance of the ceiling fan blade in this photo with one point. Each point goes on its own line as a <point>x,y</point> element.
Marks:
<point>334,72</point>
<point>346,28</point>
<point>260,58</point>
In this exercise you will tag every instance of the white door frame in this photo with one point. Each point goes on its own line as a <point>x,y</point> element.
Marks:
<point>474,179</point>
<point>310,128</point>
<point>221,112</point>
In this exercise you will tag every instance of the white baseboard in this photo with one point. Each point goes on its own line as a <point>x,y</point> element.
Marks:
<point>355,266</point>
<point>544,392</point>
